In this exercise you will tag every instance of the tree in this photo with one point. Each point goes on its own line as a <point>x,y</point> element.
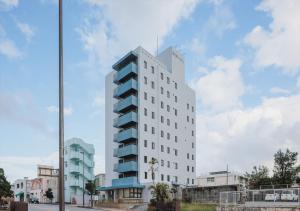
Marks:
<point>152,164</point>
<point>90,186</point>
<point>259,176</point>
<point>49,194</point>
<point>5,188</point>
<point>298,174</point>
<point>160,192</point>
<point>284,167</point>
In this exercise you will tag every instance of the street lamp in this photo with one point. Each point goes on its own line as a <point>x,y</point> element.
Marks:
<point>82,152</point>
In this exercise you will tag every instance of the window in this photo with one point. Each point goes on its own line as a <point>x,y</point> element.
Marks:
<point>187,118</point>
<point>168,94</point>
<point>162,177</point>
<point>192,168</point>
<point>192,108</point>
<point>168,108</point>
<point>176,127</point>
<point>162,119</point>
<point>145,127</point>
<point>132,193</point>
<point>153,115</point>
<point>188,168</point>
<point>168,178</point>
<point>162,104</point>
<point>188,106</point>
<point>175,152</point>
<point>192,120</point>
<point>146,175</point>
<point>66,164</point>
<point>145,111</point>
<point>168,136</point>
<point>168,80</point>
<point>175,85</point>
<point>168,150</point>
<point>21,184</point>
<point>153,130</point>
<point>188,181</point>
<point>152,100</point>
<point>176,165</point>
<point>145,80</point>
<point>145,95</point>
<point>152,84</point>
<point>168,164</point>
<point>161,76</point>
<point>153,176</point>
<point>152,69</point>
<point>18,186</point>
<point>168,122</point>
<point>192,156</point>
<point>193,145</point>
<point>188,155</point>
<point>210,179</point>
<point>192,181</point>
<point>175,99</point>
<point>145,159</point>
<point>162,133</point>
<point>145,64</point>
<point>161,90</point>
<point>162,148</point>
<point>175,111</point>
<point>162,162</point>
<point>153,145</point>
<point>176,139</point>
<point>176,179</point>
<point>192,133</point>
<point>145,143</point>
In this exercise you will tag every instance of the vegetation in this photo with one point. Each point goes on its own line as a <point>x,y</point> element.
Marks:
<point>90,186</point>
<point>160,192</point>
<point>152,164</point>
<point>49,194</point>
<point>5,188</point>
<point>197,207</point>
<point>259,176</point>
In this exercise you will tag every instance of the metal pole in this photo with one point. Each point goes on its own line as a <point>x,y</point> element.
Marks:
<point>83,178</point>
<point>61,112</point>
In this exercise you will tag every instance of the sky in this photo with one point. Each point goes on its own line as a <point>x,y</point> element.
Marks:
<point>242,58</point>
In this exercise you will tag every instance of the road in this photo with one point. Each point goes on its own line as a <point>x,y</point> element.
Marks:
<point>45,207</point>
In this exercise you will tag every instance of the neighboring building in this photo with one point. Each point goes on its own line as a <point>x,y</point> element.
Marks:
<point>209,186</point>
<point>22,189</point>
<point>36,190</point>
<point>100,182</point>
<point>79,169</point>
<point>150,113</point>
<point>49,176</point>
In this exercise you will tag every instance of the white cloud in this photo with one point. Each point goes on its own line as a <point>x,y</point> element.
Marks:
<point>13,165</point>
<point>279,45</point>
<point>110,31</point>
<point>278,90</point>
<point>9,49</point>
<point>54,109</point>
<point>196,46</point>
<point>26,29</point>
<point>8,4</point>
<point>221,88</point>
<point>98,101</point>
<point>246,137</point>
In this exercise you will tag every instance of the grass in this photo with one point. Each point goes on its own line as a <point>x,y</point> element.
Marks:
<point>197,207</point>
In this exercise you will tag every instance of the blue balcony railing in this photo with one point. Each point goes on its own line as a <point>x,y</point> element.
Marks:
<point>129,102</point>
<point>130,85</point>
<point>126,167</point>
<point>126,119</point>
<point>125,151</point>
<point>126,181</point>
<point>128,70</point>
<point>125,135</point>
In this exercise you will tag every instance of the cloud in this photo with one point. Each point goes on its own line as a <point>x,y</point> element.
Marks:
<point>9,49</point>
<point>278,90</point>
<point>98,101</point>
<point>220,88</point>
<point>26,29</point>
<point>110,31</point>
<point>13,165</point>
<point>8,4</point>
<point>279,44</point>
<point>250,136</point>
<point>54,109</point>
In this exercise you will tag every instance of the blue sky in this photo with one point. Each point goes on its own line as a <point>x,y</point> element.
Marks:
<point>242,59</point>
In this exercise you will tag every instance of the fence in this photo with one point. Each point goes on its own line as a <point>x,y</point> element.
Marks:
<point>286,197</point>
<point>18,206</point>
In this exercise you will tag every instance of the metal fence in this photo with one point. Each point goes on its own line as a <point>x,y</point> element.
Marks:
<point>286,197</point>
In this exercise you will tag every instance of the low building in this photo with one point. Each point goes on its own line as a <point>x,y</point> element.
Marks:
<point>21,189</point>
<point>209,186</point>
<point>100,182</point>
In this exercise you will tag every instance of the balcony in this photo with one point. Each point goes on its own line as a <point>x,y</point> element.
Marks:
<point>126,135</point>
<point>126,104</point>
<point>74,183</point>
<point>126,120</point>
<point>126,167</point>
<point>126,181</point>
<point>125,151</point>
<point>125,73</point>
<point>126,88</point>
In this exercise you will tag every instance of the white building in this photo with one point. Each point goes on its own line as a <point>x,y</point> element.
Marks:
<point>22,189</point>
<point>79,169</point>
<point>150,113</point>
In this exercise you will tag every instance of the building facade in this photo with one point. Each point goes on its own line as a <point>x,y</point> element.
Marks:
<point>21,189</point>
<point>79,169</point>
<point>150,113</point>
<point>100,182</point>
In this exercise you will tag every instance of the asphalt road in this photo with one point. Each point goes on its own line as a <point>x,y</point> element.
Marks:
<point>45,207</point>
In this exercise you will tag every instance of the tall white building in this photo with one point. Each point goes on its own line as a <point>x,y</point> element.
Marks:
<point>150,113</point>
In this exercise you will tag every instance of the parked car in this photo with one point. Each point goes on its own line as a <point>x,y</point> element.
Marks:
<point>34,201</point>
<point>289,195</point>
<point>272,197</point>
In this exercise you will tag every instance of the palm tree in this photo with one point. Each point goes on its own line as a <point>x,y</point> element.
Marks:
<point>152,164</point>
<point>160,192</point>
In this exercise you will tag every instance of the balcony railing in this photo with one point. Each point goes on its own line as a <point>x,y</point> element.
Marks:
<point>126,167</point>
<point>126,119</point>
<point>125,151</point>
<point>127,103</point>
<point>125,72</point>
<point>125,135</point>
<point>125,88</point>
<point>126,181</point>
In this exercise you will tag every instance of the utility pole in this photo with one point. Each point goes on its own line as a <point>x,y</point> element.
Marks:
<point>61,110</point>
<point>83,188</point>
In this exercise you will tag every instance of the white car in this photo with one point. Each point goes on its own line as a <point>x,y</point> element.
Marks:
<point>289,195</point>
<point>272,197</point>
